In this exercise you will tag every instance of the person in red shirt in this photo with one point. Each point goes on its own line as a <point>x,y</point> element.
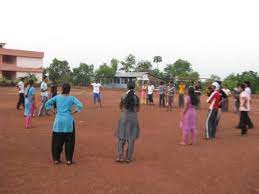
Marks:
<point>211,121</point>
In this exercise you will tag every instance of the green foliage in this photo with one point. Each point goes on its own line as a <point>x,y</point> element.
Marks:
<point>233,79</point>
<point>143,66</point>
<point>83,74</point>
<point>59,71</point>
<point>105,71</point>
<point>129,64</point>
<point>180,69</point>
<point>214,77</point>
<point>30,77</point>
<point>157,60</point>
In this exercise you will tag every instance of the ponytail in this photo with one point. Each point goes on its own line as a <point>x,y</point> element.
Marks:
<point>130,100</point>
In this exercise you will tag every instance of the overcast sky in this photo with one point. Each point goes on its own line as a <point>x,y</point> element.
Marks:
<point>218,37</point>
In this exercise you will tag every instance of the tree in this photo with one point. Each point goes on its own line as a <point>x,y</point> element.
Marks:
<point>214,77</point>
<point>129,63</point>
<point>59,71</point>
<point>114,65</point>
<point>233,79</point>
<point>104,71</point>
<point>180,68</point>
<point>143,66</point>
<point>83,74</point>
<point>157,60</point>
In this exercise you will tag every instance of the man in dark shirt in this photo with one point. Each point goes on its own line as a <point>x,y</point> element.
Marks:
<point>223,97</point>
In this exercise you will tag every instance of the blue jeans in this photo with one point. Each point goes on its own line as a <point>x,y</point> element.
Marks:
<point>97,97</point>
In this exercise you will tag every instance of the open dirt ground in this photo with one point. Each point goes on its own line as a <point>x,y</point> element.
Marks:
<point>228,165</point>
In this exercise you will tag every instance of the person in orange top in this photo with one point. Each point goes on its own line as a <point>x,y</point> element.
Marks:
<point>181,94</point>
<point>143,96</point>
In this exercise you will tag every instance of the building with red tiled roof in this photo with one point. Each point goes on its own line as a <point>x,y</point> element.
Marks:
<point>20,63</point>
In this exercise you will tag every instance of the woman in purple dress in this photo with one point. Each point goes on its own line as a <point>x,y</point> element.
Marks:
<point>189,118</point>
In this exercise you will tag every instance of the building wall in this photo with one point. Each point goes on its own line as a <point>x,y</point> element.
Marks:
<point>29,62</point>
<point>24,74</point>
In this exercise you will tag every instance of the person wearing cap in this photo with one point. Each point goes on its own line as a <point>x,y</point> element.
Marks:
<point>211,121</point>
<point>128,127</point>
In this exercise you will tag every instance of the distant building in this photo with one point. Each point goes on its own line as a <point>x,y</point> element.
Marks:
<point>20,63</point>
<point>121,79</point>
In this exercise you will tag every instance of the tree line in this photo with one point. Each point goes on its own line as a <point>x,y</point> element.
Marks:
<point>60,71</point>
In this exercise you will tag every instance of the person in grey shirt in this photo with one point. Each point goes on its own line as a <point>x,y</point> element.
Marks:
<point>170,95</point>
<point>161,90</point>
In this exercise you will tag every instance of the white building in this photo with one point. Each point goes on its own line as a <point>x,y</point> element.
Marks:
<point>20,63</point>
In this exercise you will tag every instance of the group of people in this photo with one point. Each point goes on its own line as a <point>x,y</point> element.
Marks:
<point>218,98</point>
<point>166,93</point>
<point>128,128</point>
<point>27,98</point>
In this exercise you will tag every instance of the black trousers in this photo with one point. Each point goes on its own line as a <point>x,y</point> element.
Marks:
<point>58,140</point>
<point>250,124</point>
<point>161,100</point>
<point>150,99</point>
<point>245,122</point>
<point>21,100</point>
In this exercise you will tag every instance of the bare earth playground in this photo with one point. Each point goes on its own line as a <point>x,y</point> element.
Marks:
<point>228,165</point>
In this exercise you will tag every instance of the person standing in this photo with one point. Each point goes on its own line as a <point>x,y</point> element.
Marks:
<point>161,90</point>
<point>170,95</point>
<point>225,104</point>
<point>128,127</point>
<point>150,92</point>
<point>198,90</point>
<point>29,103</point>
<point>211,121</point>
<point>237,91</point>
<point>64,124</point>
<point>249,92</point>
<point>143,95</point>
<point>181,94</point>
<point>189,118</point>
<point>97,92</point>
<point>20,87</point>
<point>244,121</point>
<point>44,96</point>
<point>222,100</point>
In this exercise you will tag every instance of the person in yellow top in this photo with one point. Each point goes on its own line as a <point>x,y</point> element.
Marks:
<point>181,94</point>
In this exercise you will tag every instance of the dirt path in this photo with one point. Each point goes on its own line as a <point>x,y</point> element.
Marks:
<point>228,165</point>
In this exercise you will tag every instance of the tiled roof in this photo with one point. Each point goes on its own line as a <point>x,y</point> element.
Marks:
<point>130,74</point>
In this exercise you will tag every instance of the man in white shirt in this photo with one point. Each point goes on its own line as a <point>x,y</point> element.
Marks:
<point>150,91</point>
<point>225,103</point>
<point>44,96</point>
<point>245,121</point>
<point>248,89</point>
<point>20,86</point>
<point>96,92</point>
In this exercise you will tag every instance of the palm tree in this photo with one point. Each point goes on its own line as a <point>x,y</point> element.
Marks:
<point>157,60</point>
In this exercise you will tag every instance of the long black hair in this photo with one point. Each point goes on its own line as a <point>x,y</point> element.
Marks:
<point>193,96</point>
<point>130,102</point>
